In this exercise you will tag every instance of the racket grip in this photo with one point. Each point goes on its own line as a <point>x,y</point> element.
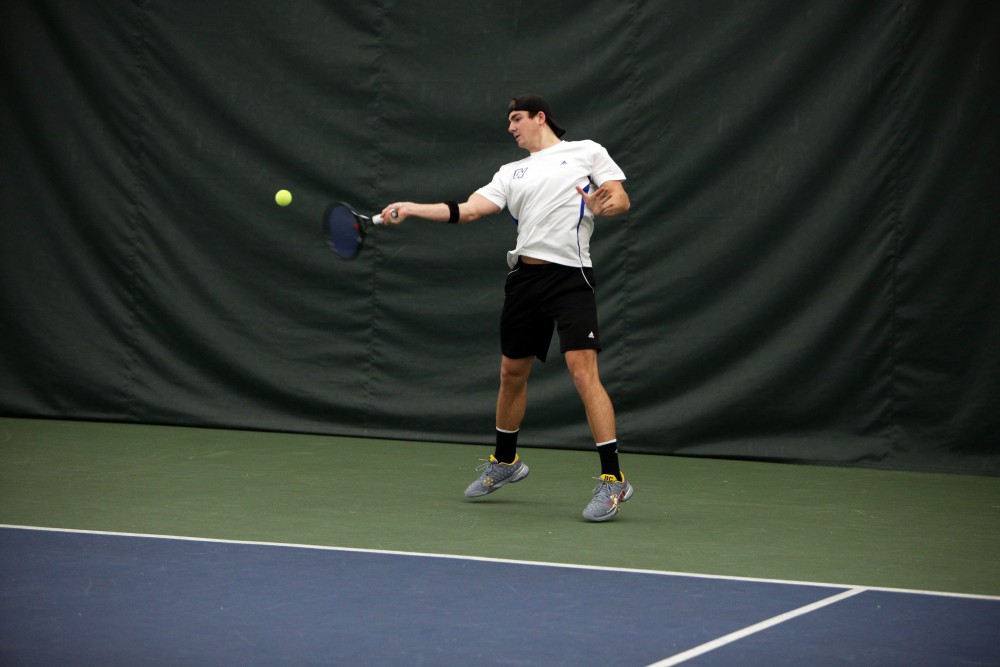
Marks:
<point>377,219</point>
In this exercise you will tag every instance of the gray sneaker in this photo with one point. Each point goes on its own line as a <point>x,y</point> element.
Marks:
<point>608,495</point>
<point>495,475</point>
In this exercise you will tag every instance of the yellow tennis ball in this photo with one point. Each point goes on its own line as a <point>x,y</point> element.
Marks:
<point>283,198</point>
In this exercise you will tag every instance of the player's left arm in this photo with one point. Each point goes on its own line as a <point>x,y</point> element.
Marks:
<point>608,200</point>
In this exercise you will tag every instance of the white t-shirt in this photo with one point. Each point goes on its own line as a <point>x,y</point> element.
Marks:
<point>540,192</point>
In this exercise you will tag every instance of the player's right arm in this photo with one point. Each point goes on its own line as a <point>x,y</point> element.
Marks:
<point>477,206</point>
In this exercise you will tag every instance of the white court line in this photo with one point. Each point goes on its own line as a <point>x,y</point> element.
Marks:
<point>508,561</point>
<point>753,629</point>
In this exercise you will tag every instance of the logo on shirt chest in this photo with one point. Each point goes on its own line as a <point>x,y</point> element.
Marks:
<point>519,173</point>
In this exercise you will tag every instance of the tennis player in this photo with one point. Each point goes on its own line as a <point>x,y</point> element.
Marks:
<point>554,195</point>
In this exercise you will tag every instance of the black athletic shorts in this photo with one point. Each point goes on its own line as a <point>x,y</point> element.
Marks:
<point>542,297</point>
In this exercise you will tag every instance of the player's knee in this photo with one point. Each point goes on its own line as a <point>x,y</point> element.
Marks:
<point>514,372</point>
<point>585,379</point>
<point>585,376</point>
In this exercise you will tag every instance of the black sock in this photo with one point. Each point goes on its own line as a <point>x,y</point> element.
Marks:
<point>609,459</point>
<point>506,450</point>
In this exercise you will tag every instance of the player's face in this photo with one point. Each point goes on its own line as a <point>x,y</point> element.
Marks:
<point>526,130</point>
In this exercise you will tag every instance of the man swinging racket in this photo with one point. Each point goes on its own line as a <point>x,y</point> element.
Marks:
<point>554,194</point>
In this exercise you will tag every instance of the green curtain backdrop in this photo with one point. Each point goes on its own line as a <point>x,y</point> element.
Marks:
<point>807,272</point>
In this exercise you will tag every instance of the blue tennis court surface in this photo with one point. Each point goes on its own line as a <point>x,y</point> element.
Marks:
<point>108,599</point>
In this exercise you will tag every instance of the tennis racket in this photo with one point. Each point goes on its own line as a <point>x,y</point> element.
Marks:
<point>345,229</point>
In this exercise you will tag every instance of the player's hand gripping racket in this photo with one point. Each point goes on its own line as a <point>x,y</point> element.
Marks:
<point>345,229</point>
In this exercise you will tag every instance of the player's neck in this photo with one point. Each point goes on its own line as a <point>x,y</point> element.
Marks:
<point>546,142</point>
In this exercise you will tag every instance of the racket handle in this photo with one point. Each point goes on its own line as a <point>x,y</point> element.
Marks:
<point>377,219</point>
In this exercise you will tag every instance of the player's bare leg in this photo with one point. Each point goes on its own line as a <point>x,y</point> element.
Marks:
<point>582,366</point>
<point>512,400</point>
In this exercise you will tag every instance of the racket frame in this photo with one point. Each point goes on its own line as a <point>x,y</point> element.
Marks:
<point>362,223</point>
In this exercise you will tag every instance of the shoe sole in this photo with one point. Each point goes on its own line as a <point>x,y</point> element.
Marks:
<point>598,519</point>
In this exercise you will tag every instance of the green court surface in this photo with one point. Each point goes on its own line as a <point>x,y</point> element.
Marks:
<point>851,526</point>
